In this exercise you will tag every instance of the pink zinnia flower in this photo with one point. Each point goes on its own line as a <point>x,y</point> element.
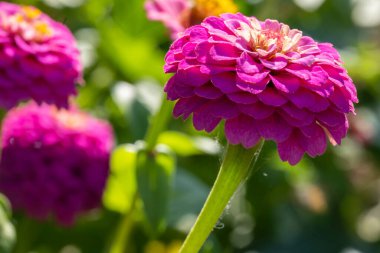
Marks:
<point>54,162</point>
<point>38,57</point>
<point>265,80</point>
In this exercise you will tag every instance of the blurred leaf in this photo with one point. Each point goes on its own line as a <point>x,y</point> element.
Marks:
<point>155,172</point>
<point>188,198</point>
<point>97,9</point>
<point>145,91</point>
<point>186,145</point>
<point>134,57</point>
<point>137,115</point>
<point>138,102</point>
<point>131,12</point>
<point>121,186</point>
<point>7,231</point>
<point>149,93</point>
<point>181,143</point>
<point>304,171</point>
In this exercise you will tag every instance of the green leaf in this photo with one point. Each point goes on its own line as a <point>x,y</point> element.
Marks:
<point>155,171</point>
<point>189,196</point>
<point>7,231</point>
<point>121,186</point>
<point>138,102</point>
<point>141,57</point>
<point>186,145</point>
<point>302,172</point>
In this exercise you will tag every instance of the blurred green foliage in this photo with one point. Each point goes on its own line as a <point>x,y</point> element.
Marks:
<point>155,170</point>
<point>330,204</point>
<point>7,231</point>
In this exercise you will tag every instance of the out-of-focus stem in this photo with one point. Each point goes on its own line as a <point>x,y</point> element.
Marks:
<point>156,127</point>
<point>158,124</point>
<point>123,232</point>
<point>27,231</point>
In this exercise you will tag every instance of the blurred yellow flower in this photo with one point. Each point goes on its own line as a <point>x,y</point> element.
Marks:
<point>206,8</point>
<point>159,247</point>
<point>174,247</point>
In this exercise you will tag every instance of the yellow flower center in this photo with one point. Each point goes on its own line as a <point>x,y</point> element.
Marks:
<point>70,119</point>
<point>28,23</point>
<point>42,28</point>
<point>31,12</point>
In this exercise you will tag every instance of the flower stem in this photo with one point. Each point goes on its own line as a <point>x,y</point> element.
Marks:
<point>158,124</point>
<point>156,127</point>
<point>27,232</point>
<point>235,169</point>
<point>122,234</point>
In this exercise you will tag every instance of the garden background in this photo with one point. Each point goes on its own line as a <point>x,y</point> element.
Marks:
<point>330,204</point>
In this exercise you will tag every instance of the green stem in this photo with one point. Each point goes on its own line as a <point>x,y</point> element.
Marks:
<point>122,234</point>
<point>158,124</point>
<point>235,169</point>
<point>26,235</point>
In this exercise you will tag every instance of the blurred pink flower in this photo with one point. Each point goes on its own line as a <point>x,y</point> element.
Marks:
<point>177,15</point>
<point>54,162</point>
<point>172,13</point>
<point>265,80</point>
<point>362,128</point>
<point>38,57</point>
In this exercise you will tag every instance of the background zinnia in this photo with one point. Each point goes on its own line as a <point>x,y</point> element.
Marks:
<point>177,15</point>
<point>38,57</point>
<point>54,162</point>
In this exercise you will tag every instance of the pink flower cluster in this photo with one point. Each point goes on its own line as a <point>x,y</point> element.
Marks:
<point>265,80</point>
<point>38,57</point>
<point>54,162</point>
